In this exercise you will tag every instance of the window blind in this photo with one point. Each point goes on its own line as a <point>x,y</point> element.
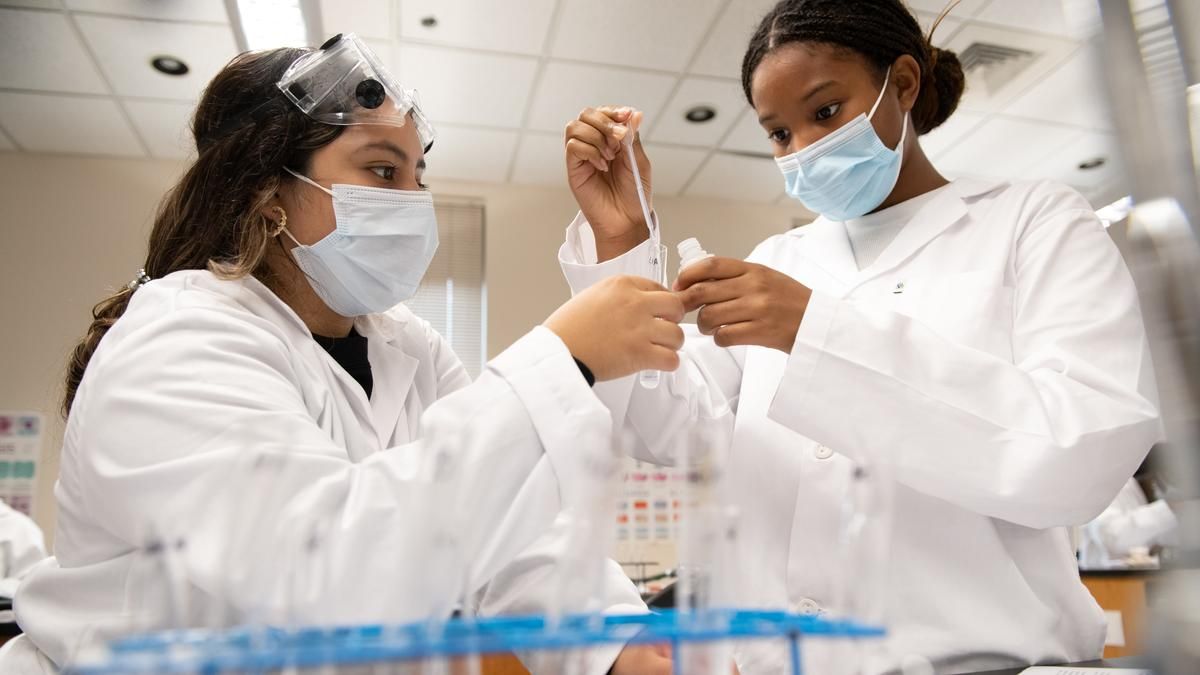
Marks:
<point>452,296</point>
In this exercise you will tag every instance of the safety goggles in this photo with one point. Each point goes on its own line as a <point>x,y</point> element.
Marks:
<point>345,83</point>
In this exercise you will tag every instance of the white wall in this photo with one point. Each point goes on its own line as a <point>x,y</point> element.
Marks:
<point>74,227</point>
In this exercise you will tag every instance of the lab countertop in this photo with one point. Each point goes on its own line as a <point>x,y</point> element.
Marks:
<point>1119,572</point>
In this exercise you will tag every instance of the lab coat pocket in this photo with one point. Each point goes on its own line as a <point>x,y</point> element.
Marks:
<point>974,309</point>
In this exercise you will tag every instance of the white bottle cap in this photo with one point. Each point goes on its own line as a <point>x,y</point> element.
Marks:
<point>690,251</point>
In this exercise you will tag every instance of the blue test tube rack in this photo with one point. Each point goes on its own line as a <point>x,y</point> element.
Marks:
<point>255,649</point>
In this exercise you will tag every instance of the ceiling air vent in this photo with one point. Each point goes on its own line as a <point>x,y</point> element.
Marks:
<point>990,67</point>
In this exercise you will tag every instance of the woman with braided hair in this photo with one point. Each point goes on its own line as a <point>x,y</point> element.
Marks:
<point>980,342</point>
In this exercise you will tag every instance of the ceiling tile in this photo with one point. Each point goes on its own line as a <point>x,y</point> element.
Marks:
<point>69,124</point>
<point>40,50</point>
<point>1032,15</point>
<point>164,126</point>
<point>468,88</point>
<point>945,29</point>
<point>463,153</point>
<point>1005,148</point>
<point>721,55</point>
<point>365,18</point>
<point>1072,94</point>
<point>124,48</point>
<point>748,135</point>
<point>982,96</point>
<point>540,160</point>
<point>672,167</point>
<point>727,176</point>
<point>1102,196</point>
<point>191,10</point>
<point>722,52</point>
<point>1063,165</point>
<point>567,88</point>
<point>630,32</point>
<point>725,96</point>
<point>952,130</point>
<point>469,23</point>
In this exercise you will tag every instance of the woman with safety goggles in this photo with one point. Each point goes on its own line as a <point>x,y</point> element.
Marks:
<point>259,392</point>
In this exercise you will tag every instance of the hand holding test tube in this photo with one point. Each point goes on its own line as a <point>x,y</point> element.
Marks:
<point>658,252</point>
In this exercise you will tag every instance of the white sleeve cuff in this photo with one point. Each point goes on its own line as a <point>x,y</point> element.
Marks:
<point>578,258</point>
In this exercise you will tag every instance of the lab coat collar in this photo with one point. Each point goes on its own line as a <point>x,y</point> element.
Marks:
<point>836,257</point>
<point>936,217</point>
<point>393,367</point>
<point>390,343</point>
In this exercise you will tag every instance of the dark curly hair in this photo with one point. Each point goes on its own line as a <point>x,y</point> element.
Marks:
<point>879,30</point>
<point>246,132</point>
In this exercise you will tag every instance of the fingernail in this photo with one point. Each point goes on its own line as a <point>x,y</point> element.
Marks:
<point>619,130</point>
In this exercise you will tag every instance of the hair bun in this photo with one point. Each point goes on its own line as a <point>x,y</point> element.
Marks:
<point>941,90</point>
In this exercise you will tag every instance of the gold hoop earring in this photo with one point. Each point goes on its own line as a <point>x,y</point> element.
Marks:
<point>282,221</point>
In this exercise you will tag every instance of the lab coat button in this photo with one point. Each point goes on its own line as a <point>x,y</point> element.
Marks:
<point>822,452</point>
<point>808,607</point>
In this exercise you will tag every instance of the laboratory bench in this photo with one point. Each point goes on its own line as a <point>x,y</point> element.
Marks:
<point>1125,595</point>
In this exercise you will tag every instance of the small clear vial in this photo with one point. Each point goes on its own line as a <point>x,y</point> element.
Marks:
<point>649,379</point>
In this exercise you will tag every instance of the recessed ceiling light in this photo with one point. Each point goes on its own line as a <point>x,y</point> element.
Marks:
<point>429,21</point>
<point>1093,163</point>
<point>700,114</point>
<point>169,65</point>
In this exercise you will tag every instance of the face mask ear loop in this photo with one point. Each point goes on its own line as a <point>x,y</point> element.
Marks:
<point>879,100</point>
<point>289,236</point>
<point>311,182</point>
<point>904,130</point>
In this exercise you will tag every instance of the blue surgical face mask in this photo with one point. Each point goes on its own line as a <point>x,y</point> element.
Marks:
<point>380,249</point>
<point>849,172</point>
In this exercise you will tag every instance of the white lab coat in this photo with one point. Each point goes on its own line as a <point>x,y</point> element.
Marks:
<point>22,545</point>
<point>210,417</point>
<point>1129,522</point>
<point>994,354</point>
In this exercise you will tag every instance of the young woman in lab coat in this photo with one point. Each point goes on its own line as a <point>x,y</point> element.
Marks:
<point>255,422</point>
<point>979,340</point>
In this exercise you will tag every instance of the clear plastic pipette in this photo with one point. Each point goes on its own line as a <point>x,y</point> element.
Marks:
<point>658,253</point>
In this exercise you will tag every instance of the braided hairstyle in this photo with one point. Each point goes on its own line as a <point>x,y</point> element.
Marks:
<point>879,30</point>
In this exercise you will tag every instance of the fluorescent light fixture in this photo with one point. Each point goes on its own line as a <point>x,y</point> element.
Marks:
<point>1116,211</point>
<point>267,24</point>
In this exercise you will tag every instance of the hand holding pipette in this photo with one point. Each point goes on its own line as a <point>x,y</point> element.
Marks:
<point>603,181</point>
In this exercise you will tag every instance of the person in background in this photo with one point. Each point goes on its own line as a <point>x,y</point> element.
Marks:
<point>22,545</point>
<point>1134,528</point>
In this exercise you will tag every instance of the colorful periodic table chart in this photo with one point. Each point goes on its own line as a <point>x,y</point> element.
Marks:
<point>20,448</point>
<point>647,522</point>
